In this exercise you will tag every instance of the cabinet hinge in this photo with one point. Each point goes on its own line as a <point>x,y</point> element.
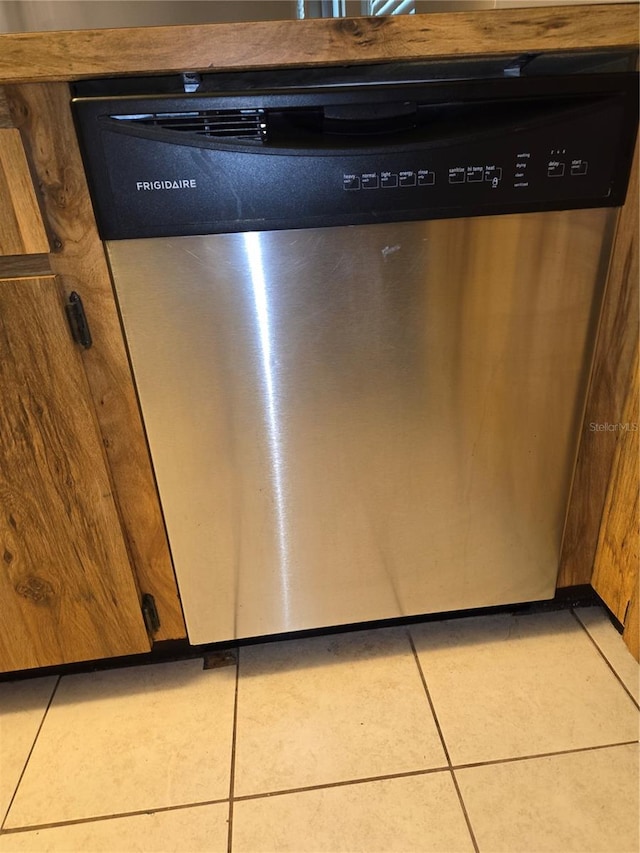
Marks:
<point>78,321</point>
<point>150,613</point>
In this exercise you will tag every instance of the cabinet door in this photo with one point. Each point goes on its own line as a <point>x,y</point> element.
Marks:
<point>67,591</point>
<point>21,228</point>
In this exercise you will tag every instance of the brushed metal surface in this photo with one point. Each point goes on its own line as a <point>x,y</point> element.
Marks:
<point>357,423</point>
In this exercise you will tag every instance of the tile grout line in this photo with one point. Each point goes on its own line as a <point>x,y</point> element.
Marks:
<point>465,812</point>
<point>15,830</point>
<point>232,766</point>
<point>429,700</point>
<point>28,758</point>
<point>444,745</point>
<point>605,658</point>
<point>427,771</point>
<point>319,787</point>
<point>537,755</point>
<point>341,784</point>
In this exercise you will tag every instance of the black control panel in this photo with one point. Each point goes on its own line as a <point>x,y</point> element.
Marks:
<point>521,171</point>
<point>559,165</point>
<point>262,160</point>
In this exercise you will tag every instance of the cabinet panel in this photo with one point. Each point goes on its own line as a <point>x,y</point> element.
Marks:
<point>44,114</point>
<point>615,575</point>
<point>67,591</point>
<point>21,228</point>
<point>608,391</point>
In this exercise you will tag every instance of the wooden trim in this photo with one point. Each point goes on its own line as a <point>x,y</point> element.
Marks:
<point>5,115</point>
<point>21,227</point>
<point>43,114</point>
<point>615,573</point>
<point>614,353</point>
<point>24,266</point>
<point>267,44</point>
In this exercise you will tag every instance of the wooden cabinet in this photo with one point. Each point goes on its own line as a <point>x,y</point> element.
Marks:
<point>43,114</point>
<point>80,524</point>
<point>66,585</point>
<point>67,589</point>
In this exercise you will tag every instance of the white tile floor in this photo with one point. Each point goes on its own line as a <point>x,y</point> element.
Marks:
<point>495,733</point>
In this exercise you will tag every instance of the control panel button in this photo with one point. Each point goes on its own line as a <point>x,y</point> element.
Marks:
<point>475,173</point>
<point>388,180</point>
<point>555,169</point>
<point>407,179</point>
<point>493,174</point>
<point>426,178</point>
<point>457,175</point>
<point>579,167</point>
<point>370,181</point>
<point>351,182</point>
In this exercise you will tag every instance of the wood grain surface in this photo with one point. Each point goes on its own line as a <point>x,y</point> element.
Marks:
<point>43,113</point>
<point>21,227</point>
<point>86,53</point>
<point>5,115</point>
<point>614,353</point>
<point>615,574</point>
<point>24,266</point>
<point>66,585</point>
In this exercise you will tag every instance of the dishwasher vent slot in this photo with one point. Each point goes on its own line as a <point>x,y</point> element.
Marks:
<point>249,124</point>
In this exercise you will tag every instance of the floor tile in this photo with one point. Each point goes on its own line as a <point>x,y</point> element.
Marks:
<point>507,686</point>
<point>128,740</point>
<point>22,707</point>
<point>331,709</point>
<point>203,829</point>
<point>585,802</point>
<point>416,813</point>
<point>612,646</point>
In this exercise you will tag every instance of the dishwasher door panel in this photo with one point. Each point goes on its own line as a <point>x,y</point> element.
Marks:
<point>358,423</point>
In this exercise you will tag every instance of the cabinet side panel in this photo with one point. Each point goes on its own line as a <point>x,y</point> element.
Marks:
<point>615,576</point>
<point>42,111</point>
<point>615,348</point>
<point>66,586</point>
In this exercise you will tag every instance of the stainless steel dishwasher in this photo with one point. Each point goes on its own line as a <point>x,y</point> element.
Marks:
<point>360,307</point>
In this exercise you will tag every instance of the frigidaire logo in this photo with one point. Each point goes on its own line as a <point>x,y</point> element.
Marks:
<point>180,184</point>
